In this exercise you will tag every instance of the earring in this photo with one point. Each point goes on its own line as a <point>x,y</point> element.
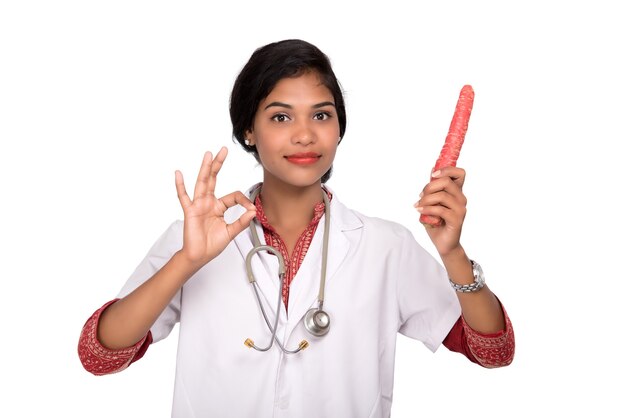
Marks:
<point>247,142</point>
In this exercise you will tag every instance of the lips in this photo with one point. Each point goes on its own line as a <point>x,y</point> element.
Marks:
<point>303,158</point>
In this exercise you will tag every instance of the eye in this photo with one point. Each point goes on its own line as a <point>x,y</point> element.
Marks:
<point>322,116</point>
<point>280,117</point>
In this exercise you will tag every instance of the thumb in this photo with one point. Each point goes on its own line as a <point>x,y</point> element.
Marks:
<point>241,223</point>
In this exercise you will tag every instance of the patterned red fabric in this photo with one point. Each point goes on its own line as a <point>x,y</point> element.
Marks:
<point>456,340</point>
<point>99,360</point>
<point>487,350</point>
<point>492,350</point>
<point>293,262</point>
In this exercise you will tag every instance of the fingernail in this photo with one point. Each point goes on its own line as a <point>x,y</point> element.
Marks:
<point>436,173</point>
<point>421,195</point>
<point>419,209</point>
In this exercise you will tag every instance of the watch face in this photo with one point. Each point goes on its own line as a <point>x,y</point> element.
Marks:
<point>478,272</point>
<point>479,280</point>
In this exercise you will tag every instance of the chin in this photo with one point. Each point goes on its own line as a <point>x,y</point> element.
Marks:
<point>297,180</point>
<point>304,182</point>
<point>295,176</point>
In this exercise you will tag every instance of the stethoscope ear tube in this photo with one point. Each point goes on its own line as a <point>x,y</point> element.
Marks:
<point>256,249</point>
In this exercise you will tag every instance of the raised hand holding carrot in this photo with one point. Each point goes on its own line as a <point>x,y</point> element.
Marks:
<point>442,204</point>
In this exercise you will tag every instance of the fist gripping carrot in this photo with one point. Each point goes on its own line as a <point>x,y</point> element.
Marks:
<point>454,140</point>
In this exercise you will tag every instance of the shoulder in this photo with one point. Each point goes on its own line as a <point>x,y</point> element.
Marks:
<point>394,245</point>
<point>384,227</point>
<point>382,230</point>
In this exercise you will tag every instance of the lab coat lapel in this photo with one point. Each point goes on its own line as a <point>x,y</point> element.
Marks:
<point>264,264</point>
<point>305,287</point>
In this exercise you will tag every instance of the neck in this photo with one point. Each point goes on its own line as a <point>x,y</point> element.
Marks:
<point>288,206</point>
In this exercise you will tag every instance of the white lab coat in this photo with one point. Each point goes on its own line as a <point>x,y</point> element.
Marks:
<point>379,282</point>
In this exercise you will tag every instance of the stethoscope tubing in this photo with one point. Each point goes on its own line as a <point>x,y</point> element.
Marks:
<point>274,328</point>
<point>317,331</point>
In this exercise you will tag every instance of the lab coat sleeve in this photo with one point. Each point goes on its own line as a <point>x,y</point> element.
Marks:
<point>160,253</point>
<point>428,306</point>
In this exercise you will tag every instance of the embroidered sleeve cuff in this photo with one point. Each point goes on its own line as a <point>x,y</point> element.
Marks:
<point>492,350</point>
<point>100,360</point>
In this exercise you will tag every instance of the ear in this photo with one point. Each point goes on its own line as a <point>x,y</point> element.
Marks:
<point>249,136</point>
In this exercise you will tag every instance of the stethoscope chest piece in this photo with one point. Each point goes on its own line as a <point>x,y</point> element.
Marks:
<point>317,322</point>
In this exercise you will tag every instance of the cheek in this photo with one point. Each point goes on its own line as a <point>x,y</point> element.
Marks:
<point>332,138</point>
<point>332,154</point>
<point>267,134</point>
<point>268,152</point>
<point>333,132</point>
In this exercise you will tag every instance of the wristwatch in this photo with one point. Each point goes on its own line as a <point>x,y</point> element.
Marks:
<point>479,280</point>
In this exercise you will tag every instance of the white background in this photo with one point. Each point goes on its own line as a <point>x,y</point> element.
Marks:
<point>101,101</point>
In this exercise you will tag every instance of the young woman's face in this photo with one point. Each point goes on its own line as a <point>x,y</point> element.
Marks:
<point>296,131</point>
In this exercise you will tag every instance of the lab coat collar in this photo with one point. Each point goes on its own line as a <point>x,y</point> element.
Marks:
<point>342,218</point>
<point>305,286</point>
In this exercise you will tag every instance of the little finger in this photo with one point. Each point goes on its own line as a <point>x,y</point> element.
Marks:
<point>449,216</point>
<point>437,210</point>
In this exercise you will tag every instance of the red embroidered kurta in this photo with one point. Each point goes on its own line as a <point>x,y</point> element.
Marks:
<point>492,350</point>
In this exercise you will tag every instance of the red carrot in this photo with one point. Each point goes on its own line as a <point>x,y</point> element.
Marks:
<point>454,140</point>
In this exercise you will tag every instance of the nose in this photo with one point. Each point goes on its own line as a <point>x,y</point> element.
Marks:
<point>303,133</point>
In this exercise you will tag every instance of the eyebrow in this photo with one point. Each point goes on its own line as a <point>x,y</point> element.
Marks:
<point>288,106</point>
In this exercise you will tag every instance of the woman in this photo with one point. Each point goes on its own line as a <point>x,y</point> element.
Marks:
<point>287,110</point>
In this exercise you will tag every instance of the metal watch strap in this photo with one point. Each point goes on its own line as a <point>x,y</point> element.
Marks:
<point>479,280</point>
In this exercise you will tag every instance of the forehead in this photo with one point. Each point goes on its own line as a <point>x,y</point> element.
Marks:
<point>307,87</point>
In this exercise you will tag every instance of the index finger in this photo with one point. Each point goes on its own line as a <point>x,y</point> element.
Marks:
<point>455,173</point>
<point>237,198</point>
<point>244,220</point>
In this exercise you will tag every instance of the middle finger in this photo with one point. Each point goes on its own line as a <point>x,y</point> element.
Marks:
<point>207,176</point>
<point>445,184</point>
<point>440,198</point>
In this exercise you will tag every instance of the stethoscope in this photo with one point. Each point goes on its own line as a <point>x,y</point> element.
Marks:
<point>316,320</point>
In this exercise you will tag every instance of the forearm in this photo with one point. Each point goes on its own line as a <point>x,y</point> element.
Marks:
<point>128,320</point>
<point>481,309</point>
